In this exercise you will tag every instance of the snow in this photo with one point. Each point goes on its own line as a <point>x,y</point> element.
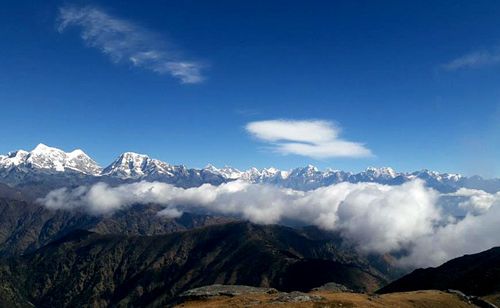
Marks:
<point>131,165</point>
<point>43,157</point>
<point>384,171</point>
<point>230,173</point>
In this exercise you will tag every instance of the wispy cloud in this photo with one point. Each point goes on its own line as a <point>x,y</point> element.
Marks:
<point>476,59</point>
<point>312,138</point>
<point>126,42</point>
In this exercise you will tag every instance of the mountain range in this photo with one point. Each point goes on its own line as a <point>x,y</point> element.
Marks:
<point>135,257</point>
<point>87,269</point>
<point>56,168</point>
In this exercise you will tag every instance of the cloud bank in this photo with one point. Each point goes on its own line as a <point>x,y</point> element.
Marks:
<point>313,138</point>
<point>126,42</point>
<point>376,218</point>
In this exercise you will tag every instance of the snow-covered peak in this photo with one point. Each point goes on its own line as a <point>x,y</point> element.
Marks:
<point>440,177</point>
<point>128,164</point>
<point>453,176</point>
<point>230,173</point>
<point>77,153</point>
<point>43,157</point>
<point>13,158</point>
<point>133,156</point>
<point>381,172</point>
<point>133,165</point>
<point>308,170</point>
<point>79,160</point>
<point>42,148</point>
<point>211,168</point>
<point>311,167</point>
<point>269,172</point>
<point>227,172</point>
<point>255,175</point>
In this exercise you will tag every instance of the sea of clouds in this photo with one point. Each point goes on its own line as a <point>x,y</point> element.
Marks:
<point>429,226</point>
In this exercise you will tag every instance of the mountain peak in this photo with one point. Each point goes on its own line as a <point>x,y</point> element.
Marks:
<point>309,169</point>
<point>132,165</point>
<point>227,172</point>
<point>211,167</point>
<point>230,173</point>
<point>50,159</point>
<point>382,171</point>
<point>130,153</point>
<point>42,147</point>
<point>77,152</point>
<point>18,154</point>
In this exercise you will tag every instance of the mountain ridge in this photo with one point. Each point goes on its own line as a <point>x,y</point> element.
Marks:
<point>475,274</point>
<point>22,167</point>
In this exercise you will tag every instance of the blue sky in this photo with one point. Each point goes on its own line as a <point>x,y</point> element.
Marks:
<point>400,84</point>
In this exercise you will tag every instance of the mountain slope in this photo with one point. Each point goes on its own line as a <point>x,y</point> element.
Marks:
<point>476,274</point>
<point>89,269</point>
<point>26,226</point>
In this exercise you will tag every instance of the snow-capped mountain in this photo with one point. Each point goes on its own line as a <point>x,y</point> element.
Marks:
<point>309,177</point>
<point>48,159</point>
<point>131,165</point>
<point>50,165</point>
<point>226,172</point>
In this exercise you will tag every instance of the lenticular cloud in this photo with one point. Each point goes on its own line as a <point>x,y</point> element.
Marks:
<point>376,218</point>
<point>312,138</point>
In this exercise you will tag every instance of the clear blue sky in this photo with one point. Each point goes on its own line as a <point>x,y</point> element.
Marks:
<point>417,83</point>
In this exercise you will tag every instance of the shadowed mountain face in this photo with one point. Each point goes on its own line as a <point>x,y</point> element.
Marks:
<point>477,274</point>
<point>85,268</point>
<point>26,226</point>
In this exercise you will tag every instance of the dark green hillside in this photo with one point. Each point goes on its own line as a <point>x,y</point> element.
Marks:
<point>89,269</point>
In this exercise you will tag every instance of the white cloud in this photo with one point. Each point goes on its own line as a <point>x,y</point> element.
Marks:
<point>473,234</point>
<point>388,219</point>
<point>124,41</point>
<point>376,218</point>
<point>474,60</point>
<point>312,138</point>
<point>475,201</point>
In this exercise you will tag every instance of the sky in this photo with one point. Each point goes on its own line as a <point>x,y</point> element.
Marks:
<point>336,84</point>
